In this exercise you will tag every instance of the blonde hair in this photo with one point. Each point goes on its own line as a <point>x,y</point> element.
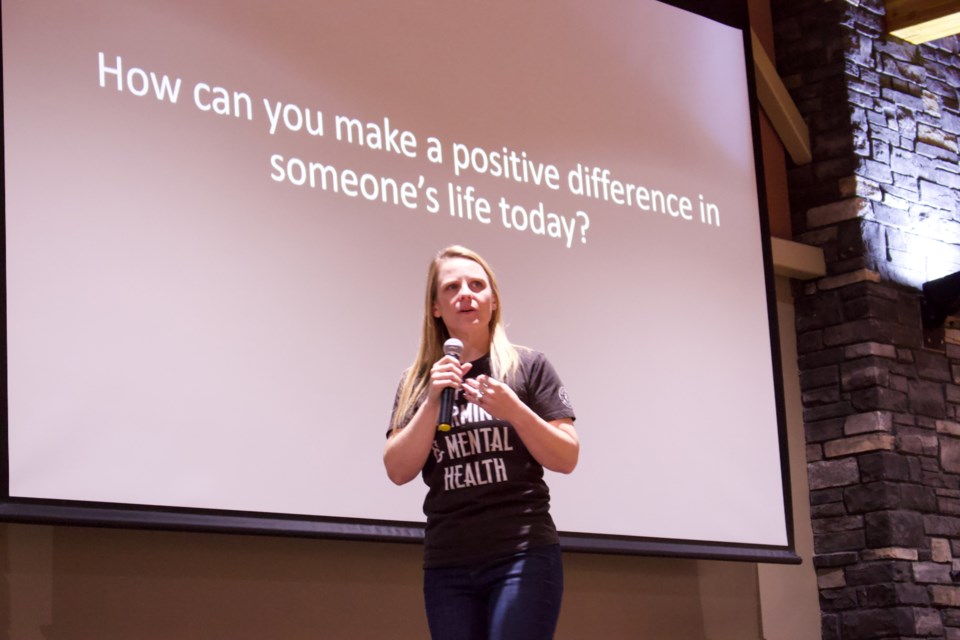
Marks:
<point>504,358</point>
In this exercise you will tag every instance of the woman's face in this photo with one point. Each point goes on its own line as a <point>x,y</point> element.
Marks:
<point>465,300</point>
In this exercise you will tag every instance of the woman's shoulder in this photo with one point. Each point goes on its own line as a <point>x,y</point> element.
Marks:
<point>530,359</point>
<point>540,387</point>
<point>526,354</point>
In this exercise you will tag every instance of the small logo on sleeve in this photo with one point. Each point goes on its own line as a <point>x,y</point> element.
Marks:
<point>565,397</point>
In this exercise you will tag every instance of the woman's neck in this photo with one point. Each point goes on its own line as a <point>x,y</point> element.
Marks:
<point>475,345</point>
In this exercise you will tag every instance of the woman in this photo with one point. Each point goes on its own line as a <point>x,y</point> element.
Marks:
<point>491,555</point>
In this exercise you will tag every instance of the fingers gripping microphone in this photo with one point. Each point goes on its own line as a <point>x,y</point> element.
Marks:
<point>451,347</point>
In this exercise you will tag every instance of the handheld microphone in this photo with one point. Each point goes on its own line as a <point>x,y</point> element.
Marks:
<point>451,347</point>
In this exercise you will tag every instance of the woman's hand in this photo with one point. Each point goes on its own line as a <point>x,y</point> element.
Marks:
<point>554,444</point>
<point>446,372</point>
<point>407,449</point>
<point>495,397</point>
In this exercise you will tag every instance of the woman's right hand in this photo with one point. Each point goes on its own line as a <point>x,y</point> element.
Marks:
<point>407,449</point>
<point>446,372</point>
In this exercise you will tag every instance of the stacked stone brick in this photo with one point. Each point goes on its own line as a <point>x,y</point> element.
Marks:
<point>882,412</point>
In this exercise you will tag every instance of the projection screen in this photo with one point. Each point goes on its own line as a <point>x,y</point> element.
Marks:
<point>219,218</point>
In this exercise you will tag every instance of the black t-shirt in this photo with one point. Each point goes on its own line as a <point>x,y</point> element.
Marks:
<point>487,497</point>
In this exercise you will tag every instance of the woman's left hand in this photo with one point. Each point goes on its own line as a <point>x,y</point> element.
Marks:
<point>493,396</point>
<point>554,443</point>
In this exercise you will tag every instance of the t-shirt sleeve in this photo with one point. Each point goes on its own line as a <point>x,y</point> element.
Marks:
<point>546,394</point>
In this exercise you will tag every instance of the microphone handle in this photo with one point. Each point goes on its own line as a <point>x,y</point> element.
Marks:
<point>444,421</point>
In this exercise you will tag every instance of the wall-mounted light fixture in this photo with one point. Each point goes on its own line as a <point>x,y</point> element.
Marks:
<point>939,302</point>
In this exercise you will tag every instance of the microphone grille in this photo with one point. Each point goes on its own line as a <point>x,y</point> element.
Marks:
<point>453,347</point>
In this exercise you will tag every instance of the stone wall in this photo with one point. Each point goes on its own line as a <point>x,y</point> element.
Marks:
<point>882,412</point>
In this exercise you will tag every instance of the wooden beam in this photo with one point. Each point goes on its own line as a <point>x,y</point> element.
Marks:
<point>779,106</point>
<point>795,260</point>
<point>919,21</point>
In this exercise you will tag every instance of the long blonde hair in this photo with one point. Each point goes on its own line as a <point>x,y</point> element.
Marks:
<point>504,359</point>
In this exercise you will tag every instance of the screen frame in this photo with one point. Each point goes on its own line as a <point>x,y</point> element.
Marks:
<point>732,13</point>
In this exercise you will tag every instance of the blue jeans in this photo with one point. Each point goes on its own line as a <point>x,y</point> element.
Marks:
<point>512,598</point>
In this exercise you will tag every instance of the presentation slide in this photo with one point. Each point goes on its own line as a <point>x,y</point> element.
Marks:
<point>219,218</point>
